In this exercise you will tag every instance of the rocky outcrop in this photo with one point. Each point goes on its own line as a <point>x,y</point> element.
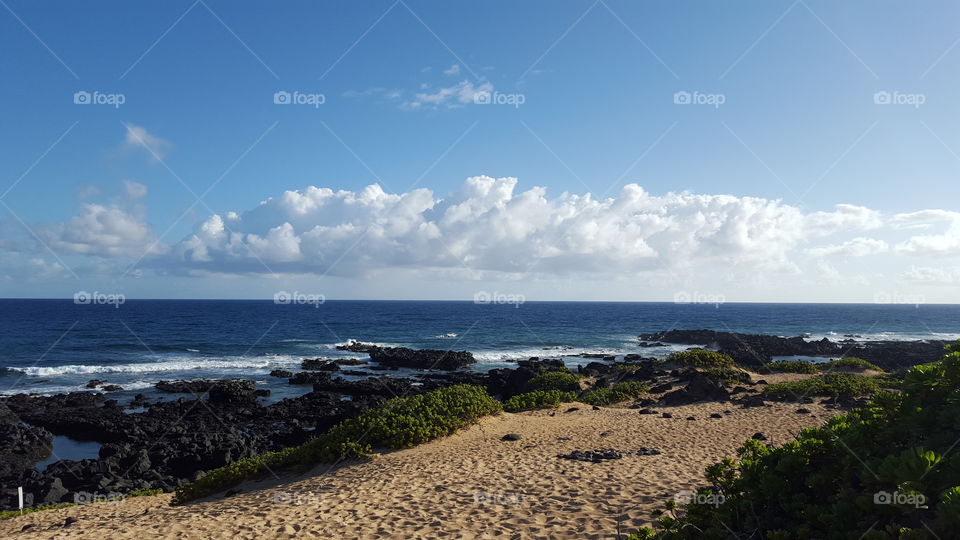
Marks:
<point>421,358</point>
<point>758,349</point>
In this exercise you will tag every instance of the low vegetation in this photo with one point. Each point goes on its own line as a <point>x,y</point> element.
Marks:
<point>790,366</point>
<point>614,394</point>
<point>538,399</point>
<point>701,358</point>
<point>883,472</point>
<point>398,423</point>
<point>849,362</point>
<point>554,380</point>
<point>827,384</point>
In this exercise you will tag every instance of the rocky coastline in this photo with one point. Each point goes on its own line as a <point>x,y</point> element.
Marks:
<point>160,444</point>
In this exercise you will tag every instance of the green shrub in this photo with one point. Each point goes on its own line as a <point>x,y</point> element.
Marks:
<point>827,384</point>
<point>829,483</point>
<point>701,358</point>
<point>791,366</point>
<point>726,376</point>
<point>554,380</point>
<point>848,362</point>
<point>615,394</point>
<point>398,423</point>
<point>537,399</point>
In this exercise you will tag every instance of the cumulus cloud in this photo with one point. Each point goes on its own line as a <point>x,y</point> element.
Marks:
<point>452,70</point>
<point>117,229</point>
<point>139,138</point>
<point>489,228</point>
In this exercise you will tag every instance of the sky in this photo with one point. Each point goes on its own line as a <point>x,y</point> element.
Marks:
<point>774,151</point>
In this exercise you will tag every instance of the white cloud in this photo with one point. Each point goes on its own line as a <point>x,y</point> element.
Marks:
<point>858,247</point>
<point>458,95</point>
<point>945,244</point>
<point>487,228</point>
<point>134,190</point>
<point>118,229</point>
<point>932,276</point>
<point>452,70</point>
<point>139,137</point>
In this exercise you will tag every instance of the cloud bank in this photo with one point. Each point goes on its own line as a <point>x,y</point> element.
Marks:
<point>490,229</point>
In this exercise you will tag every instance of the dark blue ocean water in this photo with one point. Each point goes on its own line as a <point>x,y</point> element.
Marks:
<point>57,346</point>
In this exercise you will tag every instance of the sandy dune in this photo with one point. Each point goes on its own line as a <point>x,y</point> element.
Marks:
<point>469,485</point>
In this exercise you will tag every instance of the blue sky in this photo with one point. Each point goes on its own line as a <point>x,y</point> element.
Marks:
<point>104,197</point>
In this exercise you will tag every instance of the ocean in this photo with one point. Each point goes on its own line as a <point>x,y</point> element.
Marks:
<point>55,346</point>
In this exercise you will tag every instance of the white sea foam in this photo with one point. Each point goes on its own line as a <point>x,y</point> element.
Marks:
<point>168,365</point>
<point>63,389</point>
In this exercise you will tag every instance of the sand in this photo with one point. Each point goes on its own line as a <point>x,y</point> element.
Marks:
<point>468,485</point>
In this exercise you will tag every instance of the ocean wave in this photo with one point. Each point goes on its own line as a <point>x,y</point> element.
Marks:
<point>65,389</point>
<point>172,365</point>
<point>365,342</point>
<point>556,351</point>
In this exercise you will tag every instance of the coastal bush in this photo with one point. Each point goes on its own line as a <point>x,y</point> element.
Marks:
<point>791,366</point>
<point>398,423</point>
<point>726,376</point>
<point>554,380</point>
<point>827,384</point>
<point>537,399</point>
<point>882,472</point>
<point>848,362</point>
<point>701,358</point>
<point>614,394</point>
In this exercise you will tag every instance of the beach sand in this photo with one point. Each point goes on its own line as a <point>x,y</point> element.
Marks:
<point>469,485</point>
